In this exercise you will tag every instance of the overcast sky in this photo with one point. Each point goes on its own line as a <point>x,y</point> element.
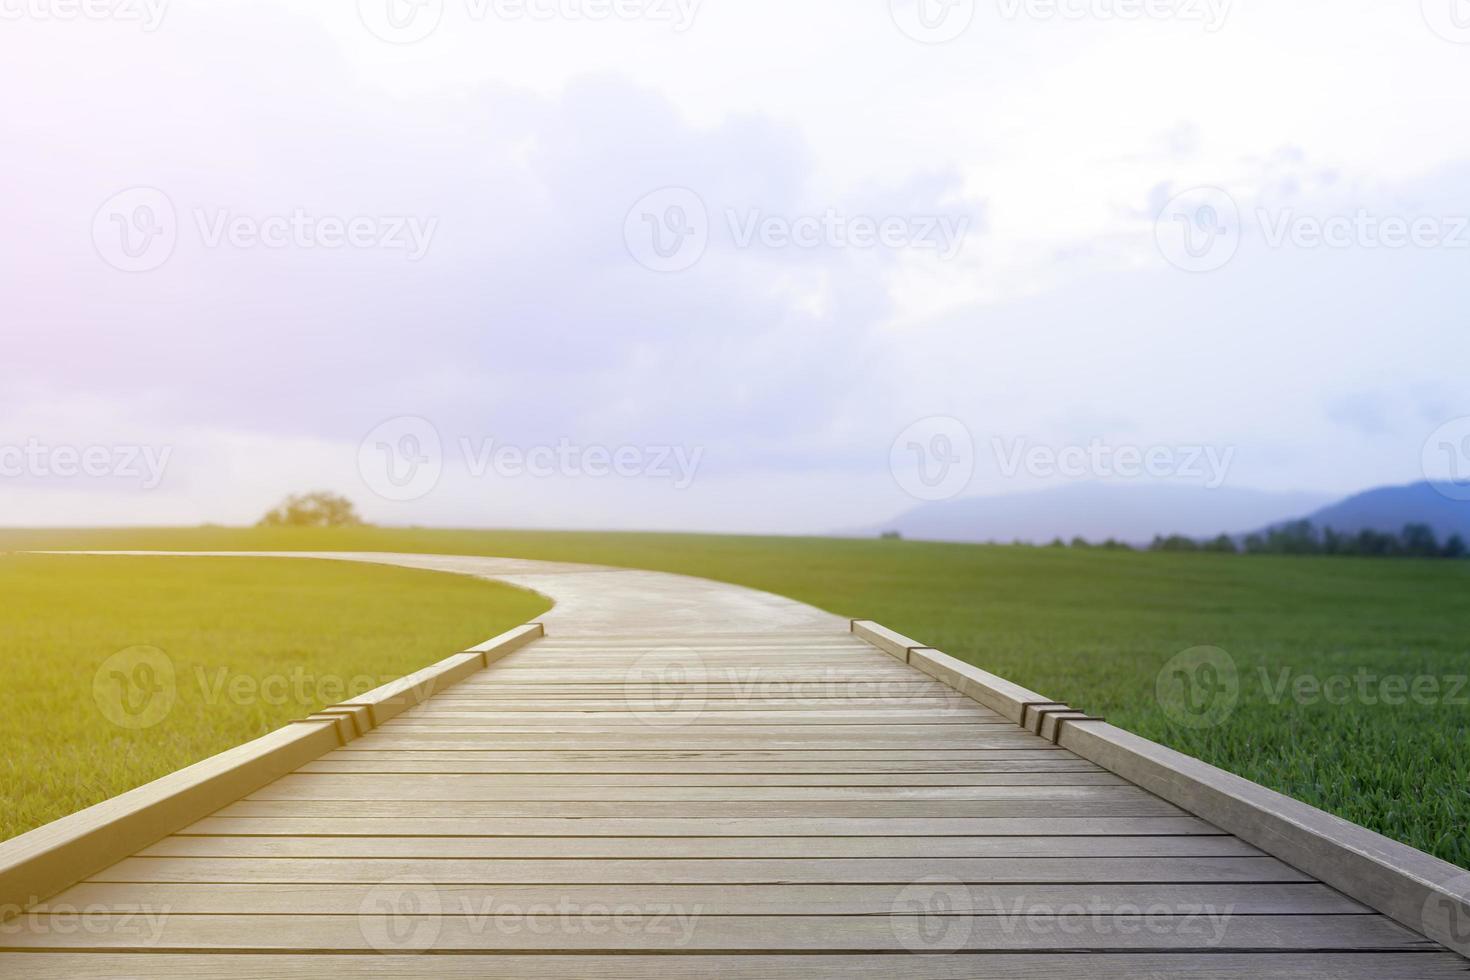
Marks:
<point>752,265</point>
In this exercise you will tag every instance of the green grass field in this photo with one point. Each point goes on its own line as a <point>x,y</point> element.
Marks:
<point>250,645</point>
<point>1095,629</point>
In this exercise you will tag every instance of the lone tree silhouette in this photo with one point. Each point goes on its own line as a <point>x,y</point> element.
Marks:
<point>318,509</point>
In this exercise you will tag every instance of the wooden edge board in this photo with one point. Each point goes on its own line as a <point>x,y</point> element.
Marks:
<point>508,642</point>
<point>361,718</point>
<point>1053,725</point>
<point>1009,700</point>
<point>1416,889</point>
<point>396,697</point>
<point>896,645</point>
<point>43,862</point>
<point>39,864</point>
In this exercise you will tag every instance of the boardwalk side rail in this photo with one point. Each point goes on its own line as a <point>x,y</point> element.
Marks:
<point>45,861</point>
<point>1420,891</point>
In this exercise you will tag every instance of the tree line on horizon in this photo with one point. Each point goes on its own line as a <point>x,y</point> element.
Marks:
<point>1292,538</point>
<point>1304,538</point>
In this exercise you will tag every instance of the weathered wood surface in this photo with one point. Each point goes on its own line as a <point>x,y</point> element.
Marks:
<point>1092,965</point>
<point>742,804</point>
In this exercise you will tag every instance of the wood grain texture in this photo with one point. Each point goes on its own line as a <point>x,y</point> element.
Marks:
<point>699,847</point>
<point>696,813</point>
<point>466,788</point>
<point>774,806</point>
<point>41,863</point>
<point>722,899</point>
<point>1091,965</point>
<point>698,871</point>
<point>384,929</point>
<point>509,782</point>
<point>722,826</point>
<point>38,864</point>
<point>1416,889</point>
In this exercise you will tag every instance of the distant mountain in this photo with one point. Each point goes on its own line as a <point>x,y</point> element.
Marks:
<point>1133,513</point>
<point>1388,509</point>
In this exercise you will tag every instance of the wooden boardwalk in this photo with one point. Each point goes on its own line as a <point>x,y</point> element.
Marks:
<point>752,804</point>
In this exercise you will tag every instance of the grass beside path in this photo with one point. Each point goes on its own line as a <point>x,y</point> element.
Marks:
<point>1328,651</point>
<point>121,670</point>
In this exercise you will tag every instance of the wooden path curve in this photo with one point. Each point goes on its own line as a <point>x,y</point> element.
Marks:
<point>689,779</point>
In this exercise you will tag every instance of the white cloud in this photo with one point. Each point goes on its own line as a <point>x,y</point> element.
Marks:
<point>527,142</point>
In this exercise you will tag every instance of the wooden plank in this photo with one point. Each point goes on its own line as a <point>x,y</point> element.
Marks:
<point>748,682</point>
<point>565,826</point>
<point>697,871</point>
<point>491,731</point>
<point>420,788</point>
<point>669,736</point>
<point>361,718</point>
<point>1142,806</point>
<point>633,715</point>
<point>734,670</point>
<point>746,677</point>
<point>385,703</point>
<point>951,703</point>
<point>699,847</point>
<point>721,899</point>
<point>981,772</point>
<point>728,697</point>
<point>642,718</point>
<point>685,720</point>
<point>917,690</point>
<point>1040,755</point>
<point>896,645</point>
<point>753,683</point>
<point>562,651</point>
<point>657,930</point>
<point>602,666</point>
<point>748,640</point>
<point>777,640</point>
<point>1092,965</point>
<point>742,677</point>
<point>996,693</point>
<point>724,698</point>
<point>694,669</point>
<point>844,641</point>
<point>510,782</point>
<point>1030,758</point>
<point>695,653</point>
